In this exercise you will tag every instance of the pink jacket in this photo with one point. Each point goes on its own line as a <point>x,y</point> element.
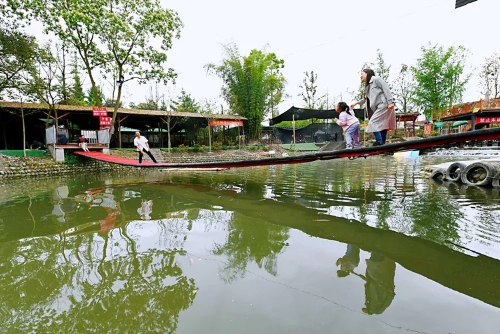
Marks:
<point>346,119</point>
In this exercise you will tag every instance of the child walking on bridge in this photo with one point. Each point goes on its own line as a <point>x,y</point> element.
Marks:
<point>349,123</point>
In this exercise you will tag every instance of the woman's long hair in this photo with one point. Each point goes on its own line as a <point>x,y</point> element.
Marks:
<point>369,74</point>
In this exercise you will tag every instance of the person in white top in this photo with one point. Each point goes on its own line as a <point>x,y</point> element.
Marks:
<point>349,123</point>
<point>142,146</point>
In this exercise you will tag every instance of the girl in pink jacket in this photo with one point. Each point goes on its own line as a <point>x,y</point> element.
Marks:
<point>349,123</point>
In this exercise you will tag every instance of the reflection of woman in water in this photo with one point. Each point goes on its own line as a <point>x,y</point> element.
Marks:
<point>349,261</point>
<point>380,272</point>
<point>145,210</point>
<point>379,286</point>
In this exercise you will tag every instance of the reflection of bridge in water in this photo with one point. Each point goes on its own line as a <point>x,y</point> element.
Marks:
<point>476,276</point>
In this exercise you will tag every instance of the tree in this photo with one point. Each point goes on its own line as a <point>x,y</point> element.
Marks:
<point>403,89</point>
<point>490,76</point>
<point>76,94</point>
<point>439,76</point>
<point>185,103</point>
<point>137,35</point>
<point>148,105</point>
<point>309,89</point>
<point>382,69</point>
<point>90,98</point>
<point>76,23</point>
<point>251,85</point>
<point>18,52</point>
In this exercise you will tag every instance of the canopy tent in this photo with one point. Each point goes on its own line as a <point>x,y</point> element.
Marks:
<point>461,3</point>
<point>438,125</point>
<point>297,114</point>
<point>458,123</point>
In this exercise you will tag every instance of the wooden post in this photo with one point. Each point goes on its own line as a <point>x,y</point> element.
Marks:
<point>119,132</point>
<point>293,128</point>
<point>24,130</point>
<point>209,138</point>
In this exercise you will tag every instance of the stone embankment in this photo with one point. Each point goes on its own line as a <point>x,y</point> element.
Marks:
<point>16,167</point>
<point>19,167</point>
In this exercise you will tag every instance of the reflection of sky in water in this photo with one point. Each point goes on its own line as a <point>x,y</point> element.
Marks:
<point>262,266</point>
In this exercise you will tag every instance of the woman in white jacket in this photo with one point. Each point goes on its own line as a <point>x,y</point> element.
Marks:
<point>349,123</point>
<point>379,100</point>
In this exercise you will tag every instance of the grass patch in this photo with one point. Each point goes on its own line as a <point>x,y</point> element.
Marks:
<point>29,153</point>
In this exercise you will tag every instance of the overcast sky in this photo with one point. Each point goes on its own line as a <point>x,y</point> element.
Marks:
<point>333,38</point>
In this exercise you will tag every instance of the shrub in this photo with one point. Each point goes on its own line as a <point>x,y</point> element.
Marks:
<point>196,148</point>
<point>217,146</point>
<point>71,159</point>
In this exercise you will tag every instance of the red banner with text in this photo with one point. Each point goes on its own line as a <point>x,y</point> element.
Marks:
<point>487,120</point>
<point>99,111</point>
<point>223,122</point>
<point>104,121</point>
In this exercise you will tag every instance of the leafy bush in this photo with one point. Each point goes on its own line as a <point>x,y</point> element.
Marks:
<point>216,146</point>
<point>197,148</point>
<point>71,159</point>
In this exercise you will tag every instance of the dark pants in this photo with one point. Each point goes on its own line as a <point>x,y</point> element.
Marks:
<point>148,153</point>
<point>380,136</point>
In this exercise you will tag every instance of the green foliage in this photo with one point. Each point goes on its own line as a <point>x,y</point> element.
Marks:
<point>439,76</point>
<point>123,37</point>
<point>382,69</point>
<point>18,53</point>
<point>252,85</point>
<point>71,159</point>
<point>45,84</point>
<point>185,103</point>
<point>90,99</point>
<point>77,96</point>
<point>298,124</point>
<point>216,146</point>
<point>137,35</point>
<point>309,90</point>
<point>148,105</point>
<point>197,148</point>
<point>76,23</point>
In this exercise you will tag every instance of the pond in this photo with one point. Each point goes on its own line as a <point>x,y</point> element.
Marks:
<point>361,246</point>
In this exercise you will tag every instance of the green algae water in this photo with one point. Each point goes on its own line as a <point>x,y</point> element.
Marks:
<point>363,246</point>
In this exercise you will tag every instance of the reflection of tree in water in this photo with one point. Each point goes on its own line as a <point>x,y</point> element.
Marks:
<point>251,240</point>
<point>434,217</point>
<point>51,286</point>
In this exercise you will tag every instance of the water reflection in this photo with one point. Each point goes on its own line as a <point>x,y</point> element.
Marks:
<point>379,286</point>
<point>71,284</point>
<point>108,253</point>
<point>245,243</point>
<point>379,278</point>
<point>145,210</point>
